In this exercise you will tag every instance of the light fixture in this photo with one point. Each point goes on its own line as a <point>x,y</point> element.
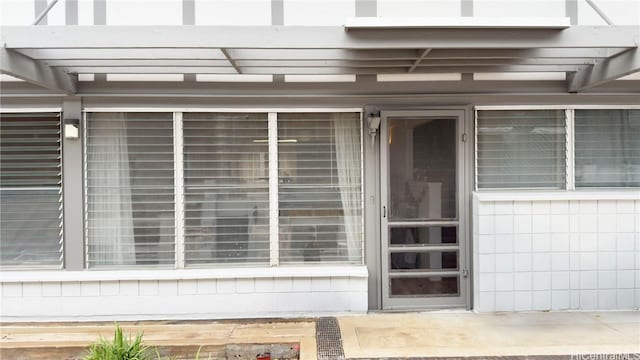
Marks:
<point>71,128</point>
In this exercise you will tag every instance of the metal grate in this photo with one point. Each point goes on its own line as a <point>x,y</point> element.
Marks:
<point>329,339</point>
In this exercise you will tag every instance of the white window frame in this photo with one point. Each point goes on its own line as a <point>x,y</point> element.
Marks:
<point>178,159</point>
<point>570,185</point>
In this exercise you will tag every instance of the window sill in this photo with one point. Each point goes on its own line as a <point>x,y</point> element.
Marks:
<point>531,195</point>
<point>359,271</point>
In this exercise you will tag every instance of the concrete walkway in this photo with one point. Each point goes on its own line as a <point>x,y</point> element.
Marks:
<point>439,334</point>
<point>432,334</point>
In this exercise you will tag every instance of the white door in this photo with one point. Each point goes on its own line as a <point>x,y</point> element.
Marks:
<point>423,228</point>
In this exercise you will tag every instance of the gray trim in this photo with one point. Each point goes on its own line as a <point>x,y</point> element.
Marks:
<point>311,37</point>
<point>466,8</point>
<point>419,303</point>
<point>39,7</point>
<point>100,12</point>
<point>278,79</point>
<point>571,10</point>
<point>606,70</point>
<point>71,12</point>
<point>371,168</point>
<point>36,72</point>
<point>277,12</point>
<point>72,185</point>
<point>366,8</point>
<point>188,12</point>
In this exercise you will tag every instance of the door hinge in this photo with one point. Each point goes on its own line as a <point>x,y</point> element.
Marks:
<point>384,211</point>
<point>465,273</point>
<point>464,137</point>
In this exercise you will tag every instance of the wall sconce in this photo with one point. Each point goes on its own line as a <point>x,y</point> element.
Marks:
<point>71,128</point>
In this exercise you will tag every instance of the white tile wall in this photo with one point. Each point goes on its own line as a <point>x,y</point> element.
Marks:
<point>556,254</point>
<point>183,299</point>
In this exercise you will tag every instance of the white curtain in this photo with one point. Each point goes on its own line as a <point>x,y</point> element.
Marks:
<point>347,141</point>
<point>111,221</point>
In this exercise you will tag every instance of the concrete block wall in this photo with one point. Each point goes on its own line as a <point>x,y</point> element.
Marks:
<point>556,254</point>
<point>192,297</point>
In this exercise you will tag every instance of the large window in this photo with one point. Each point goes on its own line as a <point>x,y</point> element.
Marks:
<point>557,149</point>
<point>607,148</point>
<point>320,196</point>
<point>213,189</point>
<point>226,188</point>
<point>30,190</point>
<point>130,189</point>
<point>521,149</point>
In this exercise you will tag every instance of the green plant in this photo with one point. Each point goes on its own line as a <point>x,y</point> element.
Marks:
<point>121,348</point>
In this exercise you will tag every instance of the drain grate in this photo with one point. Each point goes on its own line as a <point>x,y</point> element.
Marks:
<point>329,339</point>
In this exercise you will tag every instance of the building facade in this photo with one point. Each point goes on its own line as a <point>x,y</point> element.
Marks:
<point>285,157</point>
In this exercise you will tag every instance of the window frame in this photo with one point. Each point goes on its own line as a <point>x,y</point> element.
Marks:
<point>570,185</point>
<point>178,159</point>
<point>34,110</point>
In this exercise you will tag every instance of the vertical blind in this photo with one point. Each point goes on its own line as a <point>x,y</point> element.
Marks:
<point>130,189</point>
<point>607,144</point>
<point>521,149</point>
<point>30,190</point>
<point>226,188</point>
<point>319,177</point>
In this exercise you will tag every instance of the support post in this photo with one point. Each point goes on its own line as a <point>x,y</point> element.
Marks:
<point>73,187</point>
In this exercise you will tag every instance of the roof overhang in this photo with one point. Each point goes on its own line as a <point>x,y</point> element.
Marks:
<point>52,56</point>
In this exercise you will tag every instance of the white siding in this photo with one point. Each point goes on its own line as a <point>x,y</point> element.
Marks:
<point>558,254</point>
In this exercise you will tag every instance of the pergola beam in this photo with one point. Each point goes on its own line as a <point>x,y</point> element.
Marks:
<point>312,37</point>
<point>36,72</point>
<point>319,70</point>
<point>415,64</point>
<point>606,70</point>
<point>231,61</point>
<point>314,54</point>
<point>313,63</point>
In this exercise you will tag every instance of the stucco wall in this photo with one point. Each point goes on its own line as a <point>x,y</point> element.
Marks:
<point>556,252</point>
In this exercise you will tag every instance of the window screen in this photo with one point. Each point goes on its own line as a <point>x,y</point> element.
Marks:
<point>319,187</point>
<point>607,148</point>
<point>30,190</point>
<point>130,189</point>
<point>521,149</point>
<point>226,188</point>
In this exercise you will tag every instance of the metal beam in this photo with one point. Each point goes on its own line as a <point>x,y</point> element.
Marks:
<point>418,60</point>
<point>44,12</point>
<point>318,70</point>
<point>606,70</point>
<point>314,54</point>
<point>597,9</point>
<point>35,72</point>
<point>313,63</point>
<point>312,37</point>
<point>231,61</point>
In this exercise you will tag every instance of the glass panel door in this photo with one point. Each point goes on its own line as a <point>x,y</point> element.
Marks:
<point>423,262</point>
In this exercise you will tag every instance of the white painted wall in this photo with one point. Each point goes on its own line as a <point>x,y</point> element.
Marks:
<point>156,295</point>
<point>559,251</point>
<point>312,12</point>
<point>233,12</point>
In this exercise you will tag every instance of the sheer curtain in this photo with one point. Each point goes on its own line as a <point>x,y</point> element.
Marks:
<point>111,224</point>
<point>347,142</point>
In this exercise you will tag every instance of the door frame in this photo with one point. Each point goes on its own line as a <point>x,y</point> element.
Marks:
<point>463,186</point>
